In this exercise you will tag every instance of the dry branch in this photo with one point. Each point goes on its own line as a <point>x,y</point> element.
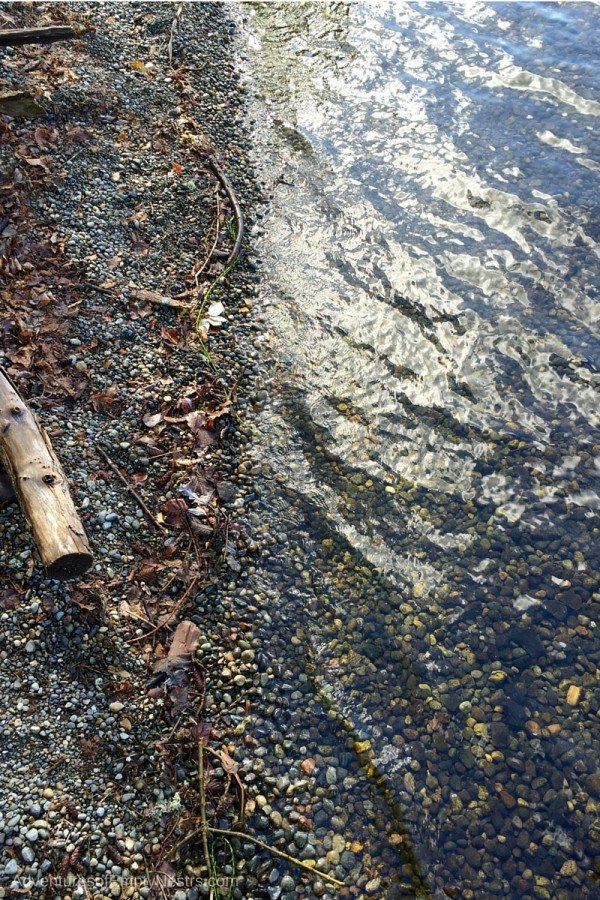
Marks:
<point>17,37</point>
<point>237,210</point>
<point>41,488</point>
<point>129,488</point>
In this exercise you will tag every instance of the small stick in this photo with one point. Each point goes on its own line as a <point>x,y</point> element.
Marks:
<point>168,302</point>
<point>129,488</point>
<point>174,28</point>
<point>203,821</point>
<point>244,836</point>
<point>214,245</point>
<point>89,285</point>
<point>162,624</point>
<point>228,187</point>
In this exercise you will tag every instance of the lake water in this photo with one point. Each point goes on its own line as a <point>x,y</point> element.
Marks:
<point>427,457</point>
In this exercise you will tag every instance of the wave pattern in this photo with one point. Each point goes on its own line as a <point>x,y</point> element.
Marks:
<point>431,265</point>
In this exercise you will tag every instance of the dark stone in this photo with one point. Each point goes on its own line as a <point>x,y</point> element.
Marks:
<point>513,712</point>
<point>556,609</point>
<point>592,783</point>
<point>529,640</point>
<point>499,733</point>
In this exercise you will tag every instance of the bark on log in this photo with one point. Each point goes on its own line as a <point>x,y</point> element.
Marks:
<point>41,488</point>
<point>16,37</point>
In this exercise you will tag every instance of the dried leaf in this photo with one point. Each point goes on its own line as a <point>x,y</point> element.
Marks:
<point>37,161</point>
<point>104,401</point>
<point>229,765</point>
<point>174,512</point>
<point>214,413</point>
<point>150,420</point>
<point>149,296</point>
<point>171,336</point>
<point>185,640</point>
<point>149,571</point>
<point>201,732</point>
<point>132,611</point>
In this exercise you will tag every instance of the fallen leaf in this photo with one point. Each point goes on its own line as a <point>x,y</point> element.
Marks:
<point>174,512</point>
<point>36,161</point>
<point>170,336</point>
<point>229,765</point>
<point>132,611</point>
<point>149,571</point>
<point>149,296</point>
<point>104,401</point>
<point>214,413</point>
<point>150,420</point>
<point>184,643</point>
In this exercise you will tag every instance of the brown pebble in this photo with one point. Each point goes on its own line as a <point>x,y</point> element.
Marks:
<point>573,695</point>
<point>533,728</point>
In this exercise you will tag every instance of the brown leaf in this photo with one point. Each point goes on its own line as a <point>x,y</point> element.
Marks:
<point>229,765</point>
<point>196,424</point>
<point>132,611</point>
<point>121,687</point>
<point>213,413</point>
<point>174,512</point>
<point>149,571</point>
<point>185,640</point>
<point>165,876</point>
<point>104,401</point>
<point>170,336</point>
<point>201,732</point>
<point>39,162</point>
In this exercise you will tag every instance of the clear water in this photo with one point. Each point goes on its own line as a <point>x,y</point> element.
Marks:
<point>430,292</point>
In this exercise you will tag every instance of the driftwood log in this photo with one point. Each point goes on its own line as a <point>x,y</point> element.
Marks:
<point>17,37</point>
<point>41,488</point>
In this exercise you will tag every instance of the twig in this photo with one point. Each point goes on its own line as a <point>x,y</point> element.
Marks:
<point>174,28</point>
<point>238,781</point>
<point>89,285</point>
<point>130,489</point>
<point>291,859</point>
<point>228,187</point>
<point>165,621</point>
<point>244,836</point>
<point>210,253</point>
<point>167,302</point>
<point>203,821</point>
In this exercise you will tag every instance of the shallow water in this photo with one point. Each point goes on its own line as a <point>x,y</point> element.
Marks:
<point>429,449</point>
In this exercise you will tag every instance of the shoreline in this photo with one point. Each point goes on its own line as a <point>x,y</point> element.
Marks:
<point>103,368</point>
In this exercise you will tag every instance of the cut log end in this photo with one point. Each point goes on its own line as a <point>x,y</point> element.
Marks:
<point>72,565</point>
